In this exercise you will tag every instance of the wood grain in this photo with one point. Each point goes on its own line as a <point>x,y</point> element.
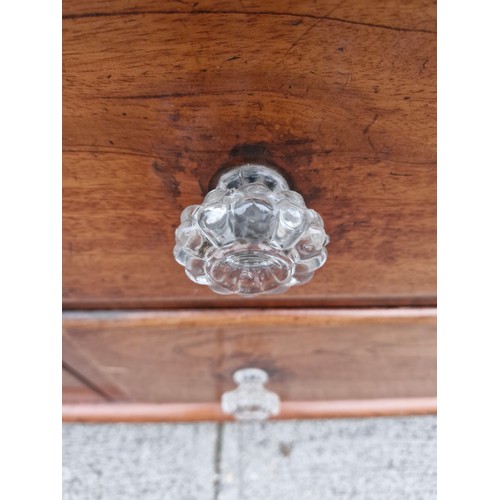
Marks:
<point>75,390</point>
<point>389,14</point>
<point>310,355</point>
<point>157,97</point>
<point>193,412</point>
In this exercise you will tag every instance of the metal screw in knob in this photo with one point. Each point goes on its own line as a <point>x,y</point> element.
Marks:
<point>251,235</point>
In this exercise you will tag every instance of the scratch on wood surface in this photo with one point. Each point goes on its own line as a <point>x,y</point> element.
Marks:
<point>424,64</point>
<point>367,129</point>
<point>248,13</point>
<point>306,32</point>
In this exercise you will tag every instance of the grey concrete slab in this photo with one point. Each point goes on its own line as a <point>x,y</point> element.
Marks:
<point>365,459</point>
<point>139,461</point>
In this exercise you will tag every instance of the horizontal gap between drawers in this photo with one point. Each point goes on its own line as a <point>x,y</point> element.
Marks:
<point>347,303</point>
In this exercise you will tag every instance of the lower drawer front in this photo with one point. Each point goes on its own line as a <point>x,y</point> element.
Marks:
<point>310,355</point>
<point>75,390</point>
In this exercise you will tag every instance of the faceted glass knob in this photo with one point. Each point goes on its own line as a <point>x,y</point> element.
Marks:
<point>251,400</point>
<point>251,235</point>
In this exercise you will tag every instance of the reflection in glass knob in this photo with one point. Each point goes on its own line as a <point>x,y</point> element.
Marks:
<point>251,400</point>
<point>252,235</point>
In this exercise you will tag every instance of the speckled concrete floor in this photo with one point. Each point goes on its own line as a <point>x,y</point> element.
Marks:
<point>366,459</point>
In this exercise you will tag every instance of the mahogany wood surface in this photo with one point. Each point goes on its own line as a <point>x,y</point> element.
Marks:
<point>193,412</point>
<point>310,355</point>
<point>157,96</point>
<point>390,14</point>
<point>76,391</point>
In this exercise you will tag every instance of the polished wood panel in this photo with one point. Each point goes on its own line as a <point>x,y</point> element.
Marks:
<point>193,412</point>
<point>76,391</point>
<point>310,355</point>
<point>390,14</point>
<point>157,98</point>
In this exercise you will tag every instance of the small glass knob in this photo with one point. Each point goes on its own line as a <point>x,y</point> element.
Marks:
<point>250,400</point>
<point>251,235</point>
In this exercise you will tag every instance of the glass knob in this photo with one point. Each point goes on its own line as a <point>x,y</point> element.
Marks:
<point>250,400</point>
<point>251,235</point>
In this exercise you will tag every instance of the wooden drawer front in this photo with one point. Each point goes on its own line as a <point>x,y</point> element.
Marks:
<point>189,357</point>
<point>155,100</point>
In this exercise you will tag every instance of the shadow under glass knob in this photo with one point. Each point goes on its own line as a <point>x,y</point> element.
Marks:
<point>251,235</point>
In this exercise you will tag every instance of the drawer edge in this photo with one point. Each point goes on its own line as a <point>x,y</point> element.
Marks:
<point>196,412</point>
